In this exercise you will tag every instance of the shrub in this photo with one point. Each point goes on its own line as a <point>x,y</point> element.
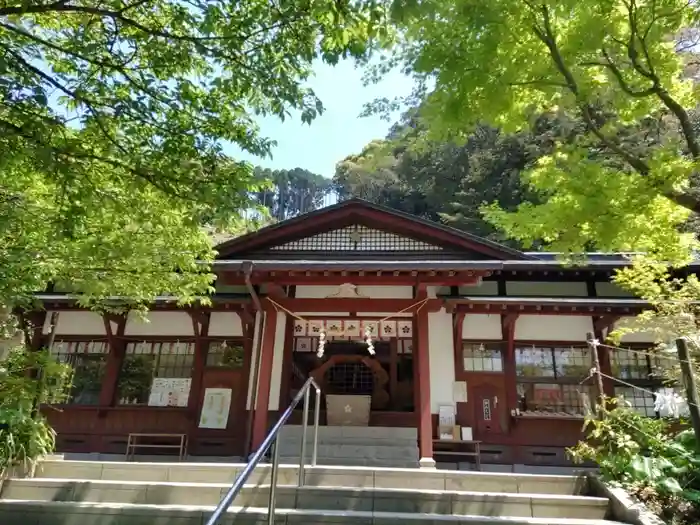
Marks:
<point>28,380</point>
<point>646,457</point>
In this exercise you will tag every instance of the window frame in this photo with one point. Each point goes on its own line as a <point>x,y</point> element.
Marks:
<point>93,357</point>
<point>233,341</point>
<point>560,381</point>
<point>502,347</point>
<point>191,341</point>
<point>652,383</point>
<point>552,346</point>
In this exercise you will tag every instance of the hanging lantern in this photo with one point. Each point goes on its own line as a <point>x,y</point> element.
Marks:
<point>368,340</point>
<point>321,343</point>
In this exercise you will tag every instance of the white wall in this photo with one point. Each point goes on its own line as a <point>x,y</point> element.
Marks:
<point>314,292</point>
<point>76,323</point>
<point>381,315</point>
<point>329,315</point>
<point>277,360</point>
<point>376,292</point>
<point>225,324</point>
<point>482,326</point>
<point>552,327</point>
<point>605,289</point>
<point>386,292</point>
<point>546,289</point>
<point>442,360</point>
<point>159,323</point>
<point>485,288</point>
<point>636,337</point>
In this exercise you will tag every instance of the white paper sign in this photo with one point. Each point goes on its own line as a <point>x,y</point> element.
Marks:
<point>446,415</point>
<point>170,392</point>
<point>459,391</point>
<point>215,408</point>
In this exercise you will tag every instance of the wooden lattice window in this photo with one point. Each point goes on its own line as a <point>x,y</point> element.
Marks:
<point>225,354</point>
<point>89,362</point>
<point>357,238</point>
<point>150,359</point>
<point>482,357</point>
<point>558,362</point>
<point>549,378</point>
<point>631,365</point>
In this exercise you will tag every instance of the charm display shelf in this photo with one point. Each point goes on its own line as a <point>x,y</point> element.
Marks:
<point>348,410</point>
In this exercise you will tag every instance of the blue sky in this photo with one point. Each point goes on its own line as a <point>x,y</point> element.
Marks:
<point>337,133</point>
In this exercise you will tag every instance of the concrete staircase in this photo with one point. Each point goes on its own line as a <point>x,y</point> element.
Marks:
<point>118,493</point>
<point>354,446</point>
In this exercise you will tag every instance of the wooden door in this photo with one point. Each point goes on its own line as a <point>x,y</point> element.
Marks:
<point>490,410</point>
<point>231,440</point>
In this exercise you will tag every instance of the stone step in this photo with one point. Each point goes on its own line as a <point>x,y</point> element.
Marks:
<point>349,440</point>
<point>327,498</point>
<point>354,451</point>
<point>355,462</point>
<point>334,476</point>
<point>19,512</point>
<point>395,433</point>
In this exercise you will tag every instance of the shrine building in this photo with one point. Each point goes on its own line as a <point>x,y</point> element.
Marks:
<point>412,318</point>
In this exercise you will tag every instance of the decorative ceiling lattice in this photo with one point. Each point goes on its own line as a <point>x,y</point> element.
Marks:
<point>357,238</point>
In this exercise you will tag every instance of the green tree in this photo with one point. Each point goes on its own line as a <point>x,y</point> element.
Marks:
<point>114,116</point>
<point>445,181</point>
<point>291,192</point>
<point>614,66</point>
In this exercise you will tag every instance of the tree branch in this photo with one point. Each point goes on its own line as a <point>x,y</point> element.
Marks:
<point>546,34</point>
<point>82,155</point>
<point>610,65</point>
<point>661,92</point>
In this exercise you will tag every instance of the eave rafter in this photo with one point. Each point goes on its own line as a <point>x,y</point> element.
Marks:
<point>358,277</point>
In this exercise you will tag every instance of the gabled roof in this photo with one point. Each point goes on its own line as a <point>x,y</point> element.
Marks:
<point>361,212</point>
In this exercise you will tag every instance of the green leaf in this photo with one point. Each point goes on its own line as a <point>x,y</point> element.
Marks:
<point>115,158</point>
<point>642,467</point>
<point>671,485</point>
<point>630,148</point>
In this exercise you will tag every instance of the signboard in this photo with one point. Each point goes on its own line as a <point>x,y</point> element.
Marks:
<point>169,392</point>
<point>215,408</point>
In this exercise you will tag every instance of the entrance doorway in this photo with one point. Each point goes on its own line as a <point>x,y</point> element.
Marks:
<point>348,376</point>
<point>347,368</point>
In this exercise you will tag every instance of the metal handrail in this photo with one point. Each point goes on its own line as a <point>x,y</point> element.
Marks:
<point>271,439</point>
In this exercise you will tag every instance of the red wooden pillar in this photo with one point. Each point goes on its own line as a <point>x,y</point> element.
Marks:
<point>425,420</point>
<point>605,365</point>
<point>508,332</point>
<point>115,324</point>
<point>200,325</point>
<point>262,399</point>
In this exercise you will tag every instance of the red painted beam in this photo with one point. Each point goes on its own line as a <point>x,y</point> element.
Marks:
<point>354,305</point>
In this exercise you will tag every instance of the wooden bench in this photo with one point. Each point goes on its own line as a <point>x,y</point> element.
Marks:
<point>455,448</point>
<point>135,441</point>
